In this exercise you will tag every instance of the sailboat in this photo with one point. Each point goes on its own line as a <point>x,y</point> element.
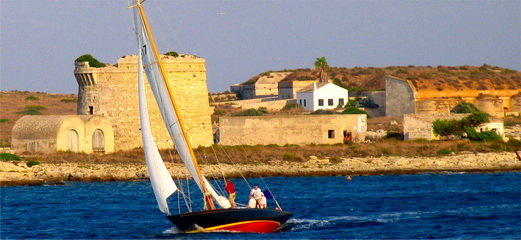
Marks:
<point>212,217</point>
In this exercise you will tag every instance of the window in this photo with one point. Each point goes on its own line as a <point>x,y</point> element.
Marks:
<point>330,133</point>
<point>300,101</point>
<point>330,102</point>
<point>91,110</point>
<point>320,102</point>
<point>341,102</point>
<point>304,102</point>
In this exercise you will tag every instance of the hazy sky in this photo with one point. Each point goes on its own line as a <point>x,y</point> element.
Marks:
<point>40,39</point>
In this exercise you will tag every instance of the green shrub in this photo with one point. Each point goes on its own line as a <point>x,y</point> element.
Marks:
<point>218,112</point>
<point>70,100</point>
<point>334,160</point>
<point>464,107</point>
<point>442,127</point>
<point>31,98</point>
<point>4,120</point>
<point>353,110</point>
<point>29,112</point>
<point>291,105</point>
<point>93,62</point>
<point>31,163</point>
<point>484,136</point>
<point>323,112</point>
<point>35,107</point>
<point>9,157</point>
<point>444,151</point>
<point>251,112</point>
<point>172,53</point>
<point>291,157</point>
<point>514,143</point>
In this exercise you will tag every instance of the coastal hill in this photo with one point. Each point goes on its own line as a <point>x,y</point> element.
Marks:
<point>423,77</point>
<point>16,104</point>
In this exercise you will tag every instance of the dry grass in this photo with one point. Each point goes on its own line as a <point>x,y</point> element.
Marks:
<point>265,154</point>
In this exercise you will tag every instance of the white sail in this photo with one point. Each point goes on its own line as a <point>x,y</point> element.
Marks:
<point>160,178</point>
<point>165,102</point>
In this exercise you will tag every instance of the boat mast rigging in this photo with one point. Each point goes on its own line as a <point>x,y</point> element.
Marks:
<point>206,194</point>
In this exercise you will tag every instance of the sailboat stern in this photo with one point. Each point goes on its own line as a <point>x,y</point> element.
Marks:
<point>234,220</point>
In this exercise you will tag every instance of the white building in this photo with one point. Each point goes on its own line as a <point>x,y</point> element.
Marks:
<point>322,95</point>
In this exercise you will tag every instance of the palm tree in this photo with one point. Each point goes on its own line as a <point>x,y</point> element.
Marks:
<point>322,66</point>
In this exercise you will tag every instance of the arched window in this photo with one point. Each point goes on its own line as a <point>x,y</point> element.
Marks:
<point>72,141</point>
<point>98,141</point>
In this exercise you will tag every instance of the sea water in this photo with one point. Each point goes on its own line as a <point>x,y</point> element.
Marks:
<point>395,206</point>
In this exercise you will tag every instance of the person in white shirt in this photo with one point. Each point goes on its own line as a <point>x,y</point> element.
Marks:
<point>256,192</point>
<point>263,201</point>
<point>252,203</point>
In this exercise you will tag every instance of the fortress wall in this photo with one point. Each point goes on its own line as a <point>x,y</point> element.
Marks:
<point>114,95</point>
<point>399,97</point>
<point>297,129</point>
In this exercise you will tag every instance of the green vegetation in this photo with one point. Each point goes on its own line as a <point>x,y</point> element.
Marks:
<point>32,110</point>
<point>291,157</point>
<point>291,105</point>
<point>335,160</point>
<point>9,157</point>
<point>465,107</point>
<point>31,98</point>
<point>322,112</point>
<point>93,62</point>
<point>252,112</point>
<point>4,120</point>
<point>172,53</point>
<point>444,151</point>
<point>35,107</point>
<point>484,136</point>
<point>353,110</point>
<point>31,163</point>
<point>69,100</point>
<point>465,126</point>
<point>219,112</point>
<point>29,112</point>
<point>322,66</point>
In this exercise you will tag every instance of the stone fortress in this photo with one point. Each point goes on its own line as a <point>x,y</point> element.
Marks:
<point>108,110</point>
<point>112,92</point>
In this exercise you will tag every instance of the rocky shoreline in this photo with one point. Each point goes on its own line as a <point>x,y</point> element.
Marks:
<point>16,173</point>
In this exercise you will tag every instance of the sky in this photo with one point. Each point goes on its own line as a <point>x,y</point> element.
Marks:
<point>39,40</point>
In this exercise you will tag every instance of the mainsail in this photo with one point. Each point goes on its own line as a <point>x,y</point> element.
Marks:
<point>160,178</point>
<point>167,106</point>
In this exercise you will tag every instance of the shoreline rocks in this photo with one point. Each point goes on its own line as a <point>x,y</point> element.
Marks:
<point>16,173</point>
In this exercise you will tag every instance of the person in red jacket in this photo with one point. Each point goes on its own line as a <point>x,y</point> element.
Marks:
<point>230,189</point>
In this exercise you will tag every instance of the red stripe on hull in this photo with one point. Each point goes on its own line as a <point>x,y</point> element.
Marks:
<point>260,226</point>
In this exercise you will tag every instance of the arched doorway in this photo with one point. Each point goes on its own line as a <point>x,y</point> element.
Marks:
<point>98,141</point>
<point>72,141</point>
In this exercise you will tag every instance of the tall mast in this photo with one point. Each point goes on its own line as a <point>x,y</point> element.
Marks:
<point>207,196</point>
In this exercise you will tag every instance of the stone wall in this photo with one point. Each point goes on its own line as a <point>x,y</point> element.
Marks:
<point>289,89</point>
<point>291,129</point>
<point>399,97</point>
<point>112,92</point>
<point>51,133</point>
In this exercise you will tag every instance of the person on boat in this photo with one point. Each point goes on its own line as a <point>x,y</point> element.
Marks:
<point>256,192</point>
<point>230,189</point>
<point>252,203</point>
<point>263,201</point>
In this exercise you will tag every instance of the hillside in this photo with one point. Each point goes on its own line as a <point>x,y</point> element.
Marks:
<point>423,77</point>
<point>15,104</point>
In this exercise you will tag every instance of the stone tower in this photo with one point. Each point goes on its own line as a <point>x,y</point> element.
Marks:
<point>111,91</point>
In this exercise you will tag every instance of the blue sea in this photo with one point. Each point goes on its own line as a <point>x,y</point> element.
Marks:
<point>452,205</point>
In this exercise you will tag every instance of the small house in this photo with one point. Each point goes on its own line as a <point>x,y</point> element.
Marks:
<point>322,95</point>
